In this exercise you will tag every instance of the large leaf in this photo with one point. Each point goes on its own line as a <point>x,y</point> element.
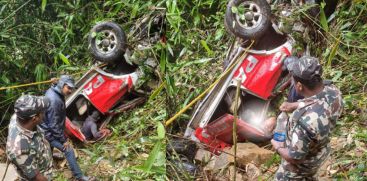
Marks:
<point>161,131</point>
<point>64,59</point>
<point>323,20</point>
<point>43,5</point>
<point>152,156</point>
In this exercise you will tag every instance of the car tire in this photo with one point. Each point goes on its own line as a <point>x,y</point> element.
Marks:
<point>107,42</point>
<point>259,15</point>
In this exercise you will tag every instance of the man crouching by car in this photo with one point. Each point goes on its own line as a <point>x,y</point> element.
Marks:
<point>54,124</point>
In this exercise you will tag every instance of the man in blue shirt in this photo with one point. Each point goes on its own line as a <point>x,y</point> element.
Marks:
<point>54,123</point>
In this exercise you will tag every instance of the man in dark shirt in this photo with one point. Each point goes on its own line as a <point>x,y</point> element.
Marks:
<point>54,123</point>
<point>89,128</point>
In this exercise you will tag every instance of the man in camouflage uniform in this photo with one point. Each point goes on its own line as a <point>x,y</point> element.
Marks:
<point>26,146</point>
<point>309,126</point>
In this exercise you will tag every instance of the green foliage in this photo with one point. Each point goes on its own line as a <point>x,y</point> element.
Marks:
<point>195,42</point>
<point>46,38</point>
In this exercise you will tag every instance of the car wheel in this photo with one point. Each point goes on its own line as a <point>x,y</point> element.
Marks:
<point>107,42</point>
<point>247,19</point>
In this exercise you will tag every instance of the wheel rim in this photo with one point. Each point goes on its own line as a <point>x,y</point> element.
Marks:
<point>106,43</point>
<point>252,16</point>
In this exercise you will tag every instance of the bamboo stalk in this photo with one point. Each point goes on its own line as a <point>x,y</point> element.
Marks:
<point>235,114</point>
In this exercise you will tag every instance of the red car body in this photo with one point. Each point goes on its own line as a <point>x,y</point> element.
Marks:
<point>262,76</point>
<point>97,90</point>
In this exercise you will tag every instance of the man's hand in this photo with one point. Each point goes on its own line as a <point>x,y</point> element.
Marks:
<point>105,132</point>
<point>66,145</point>
<point>277,144</point>
<point>40,177</point>
<point>288,106</point>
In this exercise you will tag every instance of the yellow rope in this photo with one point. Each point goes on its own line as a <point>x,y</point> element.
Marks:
<point>41,82</point>
<point>169,121</point>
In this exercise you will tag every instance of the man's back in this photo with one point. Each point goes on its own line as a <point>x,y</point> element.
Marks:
<point>310,129</point>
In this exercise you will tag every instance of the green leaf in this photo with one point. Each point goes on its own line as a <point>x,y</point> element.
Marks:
<point>94,34</point>
<point>157,91</point>
<point>200,61</point>
<point>337,75</point>
<point>333,53</point>
<point>43,5</point>
<point>205,45</point>
<point>161,131</point>
<point>323,20</point>
<point>219,34</point>
<point>152,157</point>
<point>64,59</point>
<point>234,9</point>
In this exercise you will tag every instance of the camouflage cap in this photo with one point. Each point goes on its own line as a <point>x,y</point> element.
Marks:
<point>66,79</point>
<point>305,68</point>
<point>28,106</point>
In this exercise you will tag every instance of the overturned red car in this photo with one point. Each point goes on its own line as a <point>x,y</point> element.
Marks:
<point>262,74</point>
<point>108,87</point>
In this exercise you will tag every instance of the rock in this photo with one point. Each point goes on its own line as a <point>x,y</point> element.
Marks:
<point>68,174</point>
<point>337,143</point>
<point>11,173</point>
<point>151,63</point>
<point>202,156</point>
<point>249,152</point>
<point>217,163</point>
<point>252,171</point>
<point>239,175</point>
<point>324,168</point>
<point>228,175</point>
<point>187,166</point>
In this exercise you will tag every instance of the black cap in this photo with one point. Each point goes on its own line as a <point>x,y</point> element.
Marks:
<point>28,106</point>
<point>306,68</point>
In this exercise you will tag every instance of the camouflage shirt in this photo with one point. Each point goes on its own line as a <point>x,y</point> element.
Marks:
<point>308,132</point>
<point>29,151</point>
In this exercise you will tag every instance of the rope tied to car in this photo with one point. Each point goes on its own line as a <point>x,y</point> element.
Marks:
<point>229,69</point>
<point>44,82</point>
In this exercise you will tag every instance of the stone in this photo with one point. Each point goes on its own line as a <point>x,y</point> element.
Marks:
<point>252,171</point>
<point>68,174</point>
<point>202,156</point>
<point>11,173</point>
<point>228,175</point>
<point>217,163</point>
<point>239,175</point>
<point>249,153</point>
<point>338,143</point>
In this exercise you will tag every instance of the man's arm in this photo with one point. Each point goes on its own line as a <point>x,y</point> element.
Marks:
<point>25,163</point>
<point>298,147</point>
<point>96,134</point>
<point>283,151</point>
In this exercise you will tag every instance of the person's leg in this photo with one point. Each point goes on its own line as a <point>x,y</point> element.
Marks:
<point>70,157</point>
